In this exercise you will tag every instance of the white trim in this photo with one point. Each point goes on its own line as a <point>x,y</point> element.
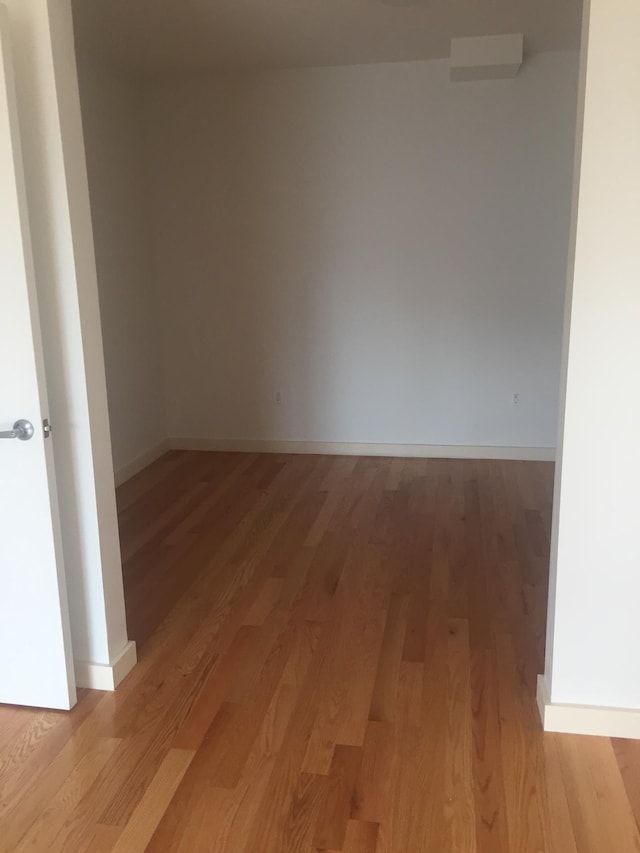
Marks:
<point>585,719</point>
<point>98,676</point>
<point>341,448</point>
<point>126,472</point>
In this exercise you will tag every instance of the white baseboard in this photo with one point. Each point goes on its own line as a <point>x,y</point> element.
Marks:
<point>98,676</point>
<point>126,472</point>
<point>340,448</point>
<point>585,719</point>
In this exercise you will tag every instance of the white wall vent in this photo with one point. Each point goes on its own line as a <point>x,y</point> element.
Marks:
<point>486,57</point>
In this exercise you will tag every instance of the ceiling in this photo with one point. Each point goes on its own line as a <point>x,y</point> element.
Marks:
<point>156,36</point>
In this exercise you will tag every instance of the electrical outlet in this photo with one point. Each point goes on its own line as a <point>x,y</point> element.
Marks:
<point>278,398</point>
<point>516,399</point>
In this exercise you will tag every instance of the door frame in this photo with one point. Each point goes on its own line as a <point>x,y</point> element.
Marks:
<point>64,260</point>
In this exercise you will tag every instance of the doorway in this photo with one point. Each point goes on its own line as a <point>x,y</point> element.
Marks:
<point>331,259</point>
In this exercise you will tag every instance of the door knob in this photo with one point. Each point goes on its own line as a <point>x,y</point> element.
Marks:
<point>22,430</point>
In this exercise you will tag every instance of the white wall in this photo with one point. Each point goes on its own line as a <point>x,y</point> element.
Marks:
<point>593,648</point>
<point>64,262</point>
<point>384,248</point>
<point>111,107</point>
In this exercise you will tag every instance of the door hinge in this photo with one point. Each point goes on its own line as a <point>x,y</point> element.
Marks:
<point>46,428</point>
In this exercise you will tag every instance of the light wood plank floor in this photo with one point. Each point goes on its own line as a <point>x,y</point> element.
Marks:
<point>336,654</point>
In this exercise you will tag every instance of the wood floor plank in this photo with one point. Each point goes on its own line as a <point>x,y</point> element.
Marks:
<point>220,818</point>
<point>518,733</point>
<point>628,755</point>
<point>50,822</point>
<point>372,796</point>
<point>337,654</point>
<point>459,782</point>
<point>553,806</point>
<point>360,837</point>
<point>343,713</point>
<point>488,789</point>
<point>276,802</point>
<point>386,684</point>
<point>149,811</point>
<point>14,722</point>
<point>600,811</point>
<point>28,787</point>
<point>339,797</point>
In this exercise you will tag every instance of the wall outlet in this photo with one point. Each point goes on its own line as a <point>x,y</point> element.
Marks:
<point>516,399</point>
<point>278,398</point>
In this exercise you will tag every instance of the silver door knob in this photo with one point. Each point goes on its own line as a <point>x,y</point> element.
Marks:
<point>22,430</point>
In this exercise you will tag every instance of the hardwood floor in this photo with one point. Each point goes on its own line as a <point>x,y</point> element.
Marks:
<point>336,654</point>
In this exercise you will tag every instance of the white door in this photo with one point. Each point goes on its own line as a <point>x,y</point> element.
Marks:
<point>36,664</point>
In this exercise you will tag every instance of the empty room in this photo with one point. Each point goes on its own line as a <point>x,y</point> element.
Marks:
<point>332,538</point>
